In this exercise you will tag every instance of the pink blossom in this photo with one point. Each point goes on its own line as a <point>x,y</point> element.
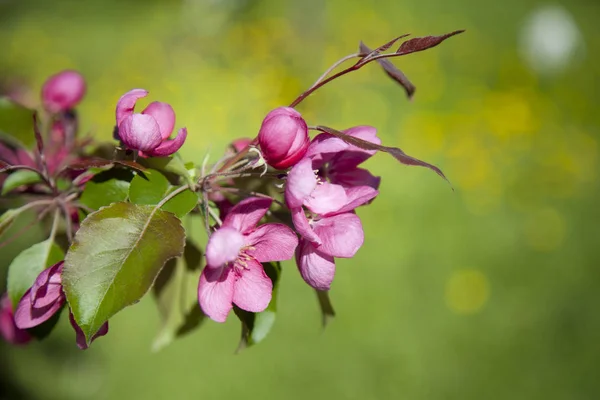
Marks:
<point>9,331</point>
<point>63,91</point>
<point>338,161</point>
<point>234,253</point>
<point>283,137</point>
<point>44,299</point>
<point>148,131</point>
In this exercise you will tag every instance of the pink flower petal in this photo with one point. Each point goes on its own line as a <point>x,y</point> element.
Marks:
<point>342,235</point>
<point>326,198</point>
<point>27,316</point>
<point>63,91</point>
<point>169,147</point>
<point>324,147</point>
<point>301,181</point>
<point>353,155</point>
<point>47,289</point>
<point>126,103</point>
<point>223,246</point>
<point>317,269</point>
<point>252,289</point>
<point>164,115</point>
<point>8,330</point>
<point>245,215</point>
<point>215,292</point>
<point>303,226</point>
<point>79,335</point>
<point>272,242</point>
<point>354,177</point>
<point>357,196</point>
<point>140,132</point>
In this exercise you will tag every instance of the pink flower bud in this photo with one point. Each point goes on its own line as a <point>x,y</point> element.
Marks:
<point>283,137</point>
<point>63,91</point>
<point>149,131</point>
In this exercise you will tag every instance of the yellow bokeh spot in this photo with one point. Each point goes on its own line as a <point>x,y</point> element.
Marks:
<point>545,230</point>
<point>467,291</point>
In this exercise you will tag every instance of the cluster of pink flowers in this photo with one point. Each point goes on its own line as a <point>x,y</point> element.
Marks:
<point>276,197</point>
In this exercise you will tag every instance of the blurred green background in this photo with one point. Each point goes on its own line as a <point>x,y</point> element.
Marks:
<point>488,292</point>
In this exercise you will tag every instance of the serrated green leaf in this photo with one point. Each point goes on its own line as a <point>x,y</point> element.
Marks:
<point>27,266</point>
<point>149,188</point>
<point>19,178</point>
<point>100,194</point>
<point>115,257</point>
<point>16,120</point>
<point>176,295</point>
<point>327,311</point>
<point>256,326</point>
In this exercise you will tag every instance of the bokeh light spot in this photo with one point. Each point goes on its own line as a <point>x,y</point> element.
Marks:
<point>467,291</point>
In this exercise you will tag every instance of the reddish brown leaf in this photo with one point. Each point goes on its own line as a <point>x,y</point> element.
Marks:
<point>393,72</point>
<point>3,165</point>
<point>38,135</point>
<point>366,53</point>
<point>423,43</point>
<point>393,151</point>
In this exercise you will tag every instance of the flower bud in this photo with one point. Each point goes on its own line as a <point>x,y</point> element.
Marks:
<point>63,91</point>
<point>147,132</point>
<point>283,137</point>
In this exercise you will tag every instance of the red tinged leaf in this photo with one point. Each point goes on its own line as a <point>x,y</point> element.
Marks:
<point>365,52</point>
<point>393,72</point>
<point>3,165</point>
<point>38,135</point>
<point>393,151</point>
<point>423,43</point>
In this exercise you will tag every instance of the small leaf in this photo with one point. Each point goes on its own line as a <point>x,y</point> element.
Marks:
<point>423,43</point>
<point>99,194</point>
<point>256,326</point>
<point>19,178</point>
<point>366,53</point>
<point>115,257</point>
<point>393,151</point>
<point>15,120</point>
<point>152,188</point>
<point>176,294</point>
<point>327,312</point>
<point>27,266</point>
<point>9,217</point>
<point>148,189</point>
<point>393,72</point>
<point>172,164</point>
<point>181,204</point>
<point>38,136</point>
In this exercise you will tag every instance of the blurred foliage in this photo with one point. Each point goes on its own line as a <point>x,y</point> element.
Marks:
<point>488,292</point>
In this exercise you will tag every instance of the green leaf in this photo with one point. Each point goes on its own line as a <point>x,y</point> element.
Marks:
<point>149,188</point>
<point>181,204</point>
<point>172,164</point>
<point>16,121</point>
<point>152,189</point>
<point>176,295</point>
<point>115,257</point>
<point>19,178</point>
<point>327,311</point>
<point>100,194</point>
<point>256,326</point>
<point>27,266</point>
<point>9,216</point>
